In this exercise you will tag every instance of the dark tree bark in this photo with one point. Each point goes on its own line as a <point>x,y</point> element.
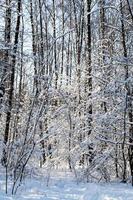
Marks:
<point>88,83</point>
<point>128,108</point>
<point>102,38</point>
<point>41,39</point>
<point>129,91</point>
<point>12,73</point>
<point>7,40</point>
<point>34,46</point>
<point>55,49</point>
<point>5,56</point>
<point>62,53</point>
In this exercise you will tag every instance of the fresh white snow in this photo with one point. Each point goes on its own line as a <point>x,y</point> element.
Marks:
<point>62,186</point>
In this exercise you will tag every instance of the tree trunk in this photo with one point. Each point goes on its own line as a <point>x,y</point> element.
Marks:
<point>54,38</point>
<point>88,82</point>
<point>12,73</point>
<point>34,47</point>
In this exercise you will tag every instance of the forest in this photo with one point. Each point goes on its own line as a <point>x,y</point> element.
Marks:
<point>66,90</point>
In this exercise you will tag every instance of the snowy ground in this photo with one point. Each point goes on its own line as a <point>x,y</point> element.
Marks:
<point>63,187</point>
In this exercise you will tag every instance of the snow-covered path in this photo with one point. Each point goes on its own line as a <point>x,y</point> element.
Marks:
<point>65,188</point>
